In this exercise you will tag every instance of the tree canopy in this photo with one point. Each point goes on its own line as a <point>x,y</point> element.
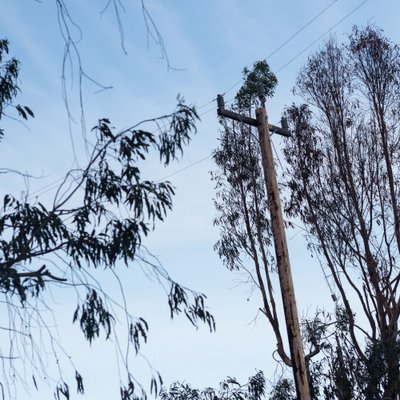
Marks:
<point>343,174</point>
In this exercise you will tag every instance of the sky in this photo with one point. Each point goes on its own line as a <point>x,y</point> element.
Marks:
<point>207,44</point>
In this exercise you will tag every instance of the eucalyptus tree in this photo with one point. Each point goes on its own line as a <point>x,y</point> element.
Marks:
<point>241,202</point>
<point>92,227</point>
<point>344,177</point>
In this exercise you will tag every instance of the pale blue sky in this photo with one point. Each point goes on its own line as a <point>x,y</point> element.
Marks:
<point>211,42</point>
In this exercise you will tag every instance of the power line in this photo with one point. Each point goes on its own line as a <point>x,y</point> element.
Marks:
<point>321,36</point>
<point>279,47</point>
<point>187,167</point>
<point>310,45</point>
<point>46,188</point>
<point>302,28</point>
<point>302,228</point>
<point>52,185</point>
<point>277,155</point>
<point>289,40</point>
<point>206,104</point>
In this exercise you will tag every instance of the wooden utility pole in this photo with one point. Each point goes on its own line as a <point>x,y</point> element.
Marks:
<point>281,249</point>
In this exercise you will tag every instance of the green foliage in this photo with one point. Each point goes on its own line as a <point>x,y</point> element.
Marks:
<point>381,356</point>
<point>283,390</point>
<point>94,234</point>
<point>240,196</point>
<point>260,82</point>
<point>229,389</point>
<point>8,76</point>
<point>92,315</point>
<point>196,311</point>
<point>95,222</point>
<point>9,70</point>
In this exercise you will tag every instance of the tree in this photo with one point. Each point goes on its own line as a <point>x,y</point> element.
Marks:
<point>241,200</point>
<point>344,177</point>
<point>96,220</point>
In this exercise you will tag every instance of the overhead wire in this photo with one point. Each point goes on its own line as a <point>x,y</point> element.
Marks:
<point>186,167</point>
<point>302,28</point>
<point>288,40</point>
<point>322,35</point>
<point>54,184</point>
<point>332,292</point>
<point>47,188</point>
<point>295,57</point>
<point>326,277</point>
<point>277,155</point>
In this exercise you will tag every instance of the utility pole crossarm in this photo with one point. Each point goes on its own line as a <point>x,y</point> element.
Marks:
<point>223,112</point>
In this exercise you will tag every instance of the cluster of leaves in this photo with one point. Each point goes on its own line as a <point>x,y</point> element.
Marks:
<point>194,311</point>
<point>92,234</point>
<point>259,83</point>
<point>8,78</point>
<point>283,390</point>
<point>9,69</point>
<point>92,314</point>
<point>63,391</point>
<point>229,389</point>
